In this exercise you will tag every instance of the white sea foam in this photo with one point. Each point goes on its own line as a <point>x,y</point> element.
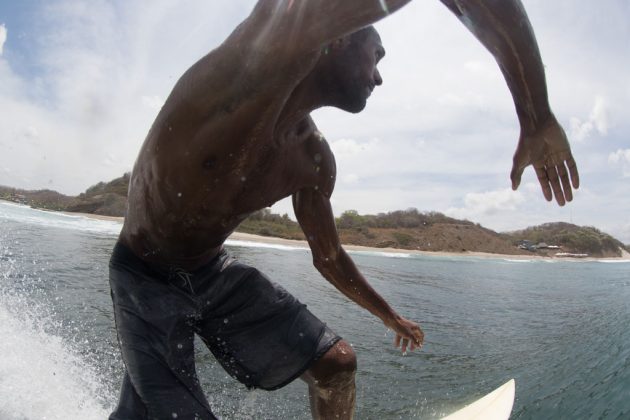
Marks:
<point>381,254</point>
<point>252,244</point>
<point>40,376</point>
<point>27,215</point>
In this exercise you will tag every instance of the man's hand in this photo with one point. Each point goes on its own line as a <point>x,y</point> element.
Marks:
<point>549,152</point>
<point>408,334</point>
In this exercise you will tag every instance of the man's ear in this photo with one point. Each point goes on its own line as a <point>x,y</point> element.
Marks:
<point>339,43</point>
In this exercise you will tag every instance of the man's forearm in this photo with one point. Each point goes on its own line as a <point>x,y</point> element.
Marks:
<point>504,29</point>
<point>344,275</point>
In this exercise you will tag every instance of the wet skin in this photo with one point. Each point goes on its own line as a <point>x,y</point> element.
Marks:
<point>235,136</point>
<point>208,162</point>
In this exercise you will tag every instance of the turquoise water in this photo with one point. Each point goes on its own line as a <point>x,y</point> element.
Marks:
<point>559,328</point>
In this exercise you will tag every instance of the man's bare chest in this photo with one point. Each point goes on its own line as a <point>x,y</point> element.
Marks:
<point>235,178</point>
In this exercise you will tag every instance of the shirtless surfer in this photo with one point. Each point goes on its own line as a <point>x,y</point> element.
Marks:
<point>235,136</point>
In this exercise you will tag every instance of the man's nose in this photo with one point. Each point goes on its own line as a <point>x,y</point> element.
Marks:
<point>378,80</point>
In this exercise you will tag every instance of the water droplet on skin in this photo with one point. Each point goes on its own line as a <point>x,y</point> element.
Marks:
<point>384,6</point>
<point>179,194</point>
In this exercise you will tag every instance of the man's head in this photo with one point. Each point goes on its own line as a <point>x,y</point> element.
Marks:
<point>347,69</point>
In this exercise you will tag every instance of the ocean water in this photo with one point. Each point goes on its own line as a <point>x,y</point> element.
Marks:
<point>560,328</point>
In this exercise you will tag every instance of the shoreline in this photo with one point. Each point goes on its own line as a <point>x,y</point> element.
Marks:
<point>248,237</point>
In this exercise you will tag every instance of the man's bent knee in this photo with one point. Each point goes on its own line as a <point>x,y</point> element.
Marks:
<point>335,368</point>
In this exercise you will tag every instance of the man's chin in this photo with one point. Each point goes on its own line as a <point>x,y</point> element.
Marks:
<point>354,107</point>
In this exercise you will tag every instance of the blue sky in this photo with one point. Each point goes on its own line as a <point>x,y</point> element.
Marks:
<point>81,81</point>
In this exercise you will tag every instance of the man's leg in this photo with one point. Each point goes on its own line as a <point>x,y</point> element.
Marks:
<point>130,405</point>
<point>331,385</point>
<point>154,321</point>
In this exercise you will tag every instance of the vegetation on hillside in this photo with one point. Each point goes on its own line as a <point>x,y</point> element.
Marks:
<point>107,199</point>
<point>405,229</point>
<point>46,199</point>
<point>265,223</point>
<point>410,218</point>
<point>572,238</point>
<point>104,198</point>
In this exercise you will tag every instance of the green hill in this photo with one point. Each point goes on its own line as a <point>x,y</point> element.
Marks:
<point>104,198</point>
<point>107,199</point>
<point>405,229</point>
<point>571,238</point>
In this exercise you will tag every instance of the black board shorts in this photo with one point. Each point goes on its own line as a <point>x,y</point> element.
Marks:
<point>259,333</point>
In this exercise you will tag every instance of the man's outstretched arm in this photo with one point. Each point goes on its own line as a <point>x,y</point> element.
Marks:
<point>292,27</point>
<point>314,213</point>
<point>504,29</point>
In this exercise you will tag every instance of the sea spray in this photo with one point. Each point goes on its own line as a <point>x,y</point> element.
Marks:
<point>43,373</point>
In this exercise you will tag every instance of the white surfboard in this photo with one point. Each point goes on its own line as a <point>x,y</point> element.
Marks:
<point>497,405</point>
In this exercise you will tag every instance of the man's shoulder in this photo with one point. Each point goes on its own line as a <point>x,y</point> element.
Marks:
<point>322,159</point>
<point>316,141</point>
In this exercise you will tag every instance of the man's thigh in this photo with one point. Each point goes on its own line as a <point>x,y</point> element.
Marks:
<point>259,332</point>
<point>154,325</point>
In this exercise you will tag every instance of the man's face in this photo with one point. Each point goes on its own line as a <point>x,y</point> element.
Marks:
<point>356,72</point>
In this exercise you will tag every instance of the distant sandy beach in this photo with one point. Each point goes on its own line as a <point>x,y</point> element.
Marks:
<point>247,237</point>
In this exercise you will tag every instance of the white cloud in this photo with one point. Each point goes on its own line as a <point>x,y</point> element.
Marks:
<point>3,37</point>
<point>625,236</point>
<point>465,99</point>
<point>436,130</point>
<point>351,147</point>
<point>153,102</point>
<point>596,122</point>
<point>30,132</point>
<point>477,205</point>
<point>621,158</point>
<point>351,179</point>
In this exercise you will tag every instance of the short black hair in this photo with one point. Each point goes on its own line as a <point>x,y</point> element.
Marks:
<point>361,34</point>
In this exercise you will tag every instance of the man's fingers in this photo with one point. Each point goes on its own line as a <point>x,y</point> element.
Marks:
<point>397,340</point>
<point>515,176</point>
<point>420,337</point>
<point>566,183</point>
<point>541,174</point>
<point>552,174</point>
<point>405,342</point>
<point>573,171</point>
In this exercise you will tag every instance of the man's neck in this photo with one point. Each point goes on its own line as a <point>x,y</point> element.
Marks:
<point>305,98</point>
